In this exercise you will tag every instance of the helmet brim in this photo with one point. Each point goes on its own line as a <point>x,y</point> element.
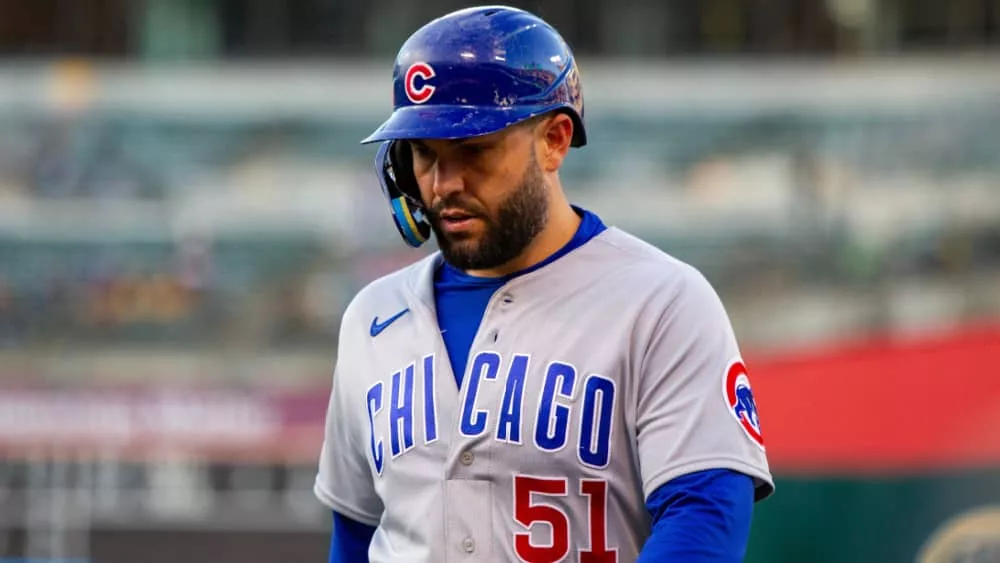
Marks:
<point>449,122</point>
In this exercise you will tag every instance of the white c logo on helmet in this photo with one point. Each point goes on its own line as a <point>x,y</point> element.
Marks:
<point>424,93</point>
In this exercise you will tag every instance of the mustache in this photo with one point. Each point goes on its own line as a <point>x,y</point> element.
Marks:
<point>454,205</point>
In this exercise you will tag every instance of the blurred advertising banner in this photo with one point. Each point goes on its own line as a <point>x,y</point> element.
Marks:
<point>885,451</point>
<point>141,424</point>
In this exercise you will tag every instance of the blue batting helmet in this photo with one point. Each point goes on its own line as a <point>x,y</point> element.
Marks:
<point>478,70</point>
<point>472,72</point>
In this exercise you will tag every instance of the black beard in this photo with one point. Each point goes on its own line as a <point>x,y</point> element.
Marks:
<point>520,218</point>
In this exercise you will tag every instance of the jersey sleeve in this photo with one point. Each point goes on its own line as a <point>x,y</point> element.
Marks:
<point>344,481</point>
<point>695,408</point>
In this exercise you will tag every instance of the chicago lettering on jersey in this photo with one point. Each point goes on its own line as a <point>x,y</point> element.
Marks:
<point>395,428</point>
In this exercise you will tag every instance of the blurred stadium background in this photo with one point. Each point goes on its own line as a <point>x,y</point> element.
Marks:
<point>185,211</point>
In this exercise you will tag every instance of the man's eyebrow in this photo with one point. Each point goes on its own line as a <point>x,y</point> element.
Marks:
<point>460,142</point>
<point>475,141</point>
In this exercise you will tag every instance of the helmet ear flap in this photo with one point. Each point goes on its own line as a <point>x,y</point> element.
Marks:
<point>402,158</point>
<point>394,168</point>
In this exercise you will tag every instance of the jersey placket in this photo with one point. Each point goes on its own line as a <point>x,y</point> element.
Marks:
<point>469,481</point>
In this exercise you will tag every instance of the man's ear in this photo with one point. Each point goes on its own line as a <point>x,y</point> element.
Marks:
<point>555,134</point>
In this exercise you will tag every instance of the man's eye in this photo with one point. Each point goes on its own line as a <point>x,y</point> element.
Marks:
<point>474,150</point>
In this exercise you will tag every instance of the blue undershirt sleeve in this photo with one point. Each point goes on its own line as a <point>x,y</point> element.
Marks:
<point>702,517</point>
<point>349,540</point>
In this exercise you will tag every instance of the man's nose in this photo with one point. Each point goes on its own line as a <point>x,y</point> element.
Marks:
<point>448,179</point>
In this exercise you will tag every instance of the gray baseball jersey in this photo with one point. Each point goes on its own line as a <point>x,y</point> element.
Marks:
<point>591,382</point>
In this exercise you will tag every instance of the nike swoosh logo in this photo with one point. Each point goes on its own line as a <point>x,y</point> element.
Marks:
<point>378,327</point>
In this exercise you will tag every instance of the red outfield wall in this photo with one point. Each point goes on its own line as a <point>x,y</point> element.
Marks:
<point>917,404</point>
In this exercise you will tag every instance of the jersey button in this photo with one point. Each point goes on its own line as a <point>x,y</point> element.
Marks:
<point>467,458</point>
<point>469,545</point>
<point>507,299</point>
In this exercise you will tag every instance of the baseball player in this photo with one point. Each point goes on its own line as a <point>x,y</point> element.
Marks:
<point>544,387</point>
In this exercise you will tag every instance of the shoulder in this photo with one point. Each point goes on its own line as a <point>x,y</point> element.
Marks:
<point>639,265</point>
<point>381,295</point>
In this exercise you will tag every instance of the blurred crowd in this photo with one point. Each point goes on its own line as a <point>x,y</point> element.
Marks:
<point>761,203</point>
